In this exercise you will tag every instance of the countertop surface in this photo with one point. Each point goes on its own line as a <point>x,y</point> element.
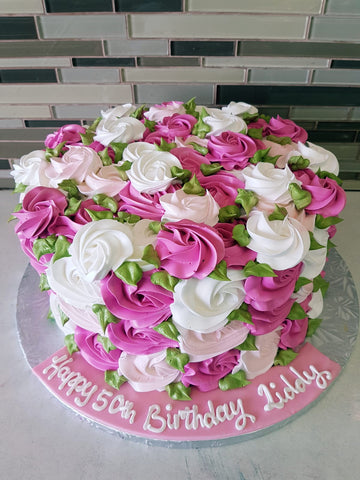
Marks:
<point>41,439</point>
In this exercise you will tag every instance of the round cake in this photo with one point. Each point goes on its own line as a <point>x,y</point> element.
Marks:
<point>182,247</point>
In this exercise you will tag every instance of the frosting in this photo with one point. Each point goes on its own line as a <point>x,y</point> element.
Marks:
<point>117,126</point>
<point>106,180</point>
<point>220,121</point>
<point>319,157</point>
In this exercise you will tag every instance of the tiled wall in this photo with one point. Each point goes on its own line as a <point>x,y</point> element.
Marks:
<point>62,61</point>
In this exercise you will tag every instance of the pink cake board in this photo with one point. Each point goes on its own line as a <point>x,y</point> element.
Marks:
<point>270,399</point>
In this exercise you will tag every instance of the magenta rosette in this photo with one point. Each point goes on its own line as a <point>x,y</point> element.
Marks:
<point>232,150</point>
<point>138,341</point>
<point>223,186</point>
<point>189,249</point>
<point>40,209</point>
<point>235,256</point>
<point>206,374</point>
<point>293,333</point>
<point>82,216</point>
<point>68,133</point>
<point>178,125</point>
<point>40,265</point>
<point>93,351</point>
<point>283,127</point>
<point>269,293</point>
<point>144,305</point>
<point>327,197</point>
<point>267,320</point>
<point>190,159</point>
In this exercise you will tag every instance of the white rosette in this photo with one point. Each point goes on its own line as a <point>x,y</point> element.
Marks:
<point>106,180</point>
<point>142,236</point>
<point>157,113</point>
<point>180,205</point>
<point>147,372</point>
<point>66,281</point>
<point>67,328</point>
<point>151,171</point>
<point>239,108</point>
<point>316,304</point>
<point>30,169</point>
<point>136,149</point>
<point>281,244</point>
<point>99,247</point>
<point>319,157</point>
<point>204,305</point>
<point>220,121</point>
<point>119,111</point>
<point>270,183</point>
<point>314,261</point>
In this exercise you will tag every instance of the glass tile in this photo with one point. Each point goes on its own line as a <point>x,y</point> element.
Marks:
<point>103,62</point>
<point>202,48</point>
<point>17,28</point>
<point>35,75</point>
<point>65,6</point>
<point>148,5</point>
<point>50,48</point>
<point>300,49</point>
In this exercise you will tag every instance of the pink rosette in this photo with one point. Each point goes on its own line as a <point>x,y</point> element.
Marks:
<point>206,374</point>
<point>235,256</point>
<point>81,216</point>
<point>232,150</point>
<point>267,320</point>
<point>138,341</point>
<point>144,305</point>
<point>178,125</point>
<point>93,351</point>
<point>328,198</point>
<point>223,186</point>
<point>190,159</point>
<point>188,249</point>
<point>67,133</point>
<point>40,209</point>
<point>283,127</point>
<point>63,225</point>
<point>293,333</point>
<point>158,112</point>
<point>269,293</point>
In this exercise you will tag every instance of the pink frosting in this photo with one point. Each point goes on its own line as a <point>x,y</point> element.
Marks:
<point>27,247</point>
<point>281,127</point>
<point>293,333</point>
<point>223,186</point>
<point>40,210</point>
<point>178,125</point>
<point>93,351</point>
<point>189,249</point>
<point>235,255</point>
<point>138,341</point>
<point>232,150</point>
<point>190,159</point>
<point>328,198</point>
<point>68,133</point>
<point>81,216</point>
<point>268,320</point>
<point>143,305</point>
<point>268,293</point>
<point>206,374</point>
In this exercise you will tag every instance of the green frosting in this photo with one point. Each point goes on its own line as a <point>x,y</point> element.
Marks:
<point>301,198</point>
<point>255,133</point>
<point>104,316</point>
<point>247,199</point>
<point>300,282</point>
<point>155,226</point>
<point>233,380</point>
<point>248,344</point>
<point>258,269</point>
<point>240,235</point>
<point>62,245</point>
<point>20,188</point>
<point>73,206</point>
<point>279,140</point>
<point>118,148</point>
<point>150,124</point>
<point>241,314</point>
<point>106,343</point>
<point>178,391</point>
<point>284,357</point>
<point>139,112</point>
<point>87,138</point>
<point>313,325</point>
<point>167,329</point>
<point>181,174</point>
<point>199,148</point>
<point>298,163</point>
<point>200,129</point>
<point>324,174</point>
<point>229,213</point>
<point>176,359</point>
<point>190,107</point>
<point>54,152</point>
<point>43,246</point>
<point>99,215</point>
<point>63,317</point>
<point>105,157</point>
<point>125,217</point>
<point>263,156</point>
<point>43,284</point>
<point>129,272</point>
<point>296,312</point>
<point>70,187</point>
<point>164,280</point>
<point>321,222</point>
<point>220,272</point>
<point>210,168</point>
<point>193,187</point>
<point>314,245</point>
<point>113,379</point>
<point>320,284</point>
<point>70,344</point>
<point>150,256</point>
<point>165,146</point>
<point>279,213</point>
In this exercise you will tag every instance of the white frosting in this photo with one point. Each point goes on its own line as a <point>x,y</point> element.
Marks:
<point>151,171</point>
<point>99,247</point>
<point>157,113</point>
<point>203,305</point>
<point>119,111</point>
<point>117,126</point>
<point>180,205</point>
<point>314,261</point>
<point>141,237</point>
<point>239,108</point>
<point>318,156</point>
<point>269,182</point>
<point>316,304</point>
<point>281,244</point>
<point>70,325</point>
<point>30,169</point>
<point>220,121</point>
<point>65,280</point>
<point>134,150</point>
<point>147,372</point>
<point>303,293</point>
<point>106,180</point>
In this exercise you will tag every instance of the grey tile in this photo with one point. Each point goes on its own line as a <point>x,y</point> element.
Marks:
<point>65,6</point>
<point>79,111</point>
<point>319,113</point>
<point>17,28</point>
<point>116,46</point>
<point>24,111</point>
<point>204,94</point>
<point>192,75</point>
<point>11,123</point>
<point>25,134</point>
<point>89,75</point>
<point>8,7</point>
<point>148,6</point>
<point>300,49</point>
<point>37,48</point>
<point>345,7</point>
<point>257,61</point>
<point>16,149</point>
<point>258,6</point>
<point>278,75</point>
<point>335,28</point>
<point>341,76</point>
<point>30,75</point>
<point>168,61</point>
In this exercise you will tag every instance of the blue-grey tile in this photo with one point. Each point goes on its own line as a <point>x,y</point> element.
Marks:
<point>156,93</point>
<point>78,111</point>
<point>4,164</point>
<point>122,46</point>
<point>35,75</point>
<point>148,5</point>
<point>17,28</point>
<point>335,28</point>
<point>278,75</point>
<point>168,61</point>
<point>14,149</point>
<point>89,75</point>
<point>202,48</point>
<point>50,48</point>
<point>66,6</point>
<point>103,62</point>
<point>336,77</point>
<point>318,136</point>
<point>25,134</point>
<point>345,7</point>
<point>299,49</point>
<point>49,123</point>
<point>347,64</point>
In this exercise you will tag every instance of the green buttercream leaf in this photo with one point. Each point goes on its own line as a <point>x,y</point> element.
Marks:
<point>199,148</point>
<point>240,235</point>
<point>104,316</point>
<point>105,157</point>
<point>20,188</point>
<point>298,163</point>
<point>258,270</point>
<point>220,272</point>
<point>150,124</point>
<point>138,112</point>
<point>313,325</point>
<point>118,148</point>
<point>176,359</point>
<point>167,329</point>
<point>17,208</point>
<point>190,107</point>
<point>193,187</point>
<point>150,256</point>
<point>155,226</point>
<point>129,272</point>
<point>125,217</point>
<point>322,222</point>
<point>255,133</point>
<point>210,168</point>
<point>63,317</point>
<point>70,186</point>
<point>93,126</point>
<point>96,215</point>
<point>229,213</point>
<point>113,379</point>
<point>241,315</point>
<point>178,391</point>
<point>314,245</point>
<point>320,284</point>
<point>248,344</point>
<point>87,138</point>
<point>263,156</point>
<point>165,146</point>
<point>284,357</point>
<point>164,280</point>
<point>181,174</point>
<point>278,214</point>
<point>73,206</point>
<point>106,343</point>
<point>301,198</point>
<point>301,282</point>
<point>233,380</point>
<point>325,174</point>
<point>43,246</point>
<point>279,140</point>
<point>247,199</point>
<point>267,118</point>
<point>296,312</point>
<point>330,244</point>
<point>54,152</point>
<point>106,202</point>
<point>62,245</point>
<point>201,129</point>
<point>43,284</point>
<point>70,344</point>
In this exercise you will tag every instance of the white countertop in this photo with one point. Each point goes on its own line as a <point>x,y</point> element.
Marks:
<point>41,439</point>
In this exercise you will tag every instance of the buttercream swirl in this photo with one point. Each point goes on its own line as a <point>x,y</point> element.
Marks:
<point>220,121</point>
<point>106,180</point>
